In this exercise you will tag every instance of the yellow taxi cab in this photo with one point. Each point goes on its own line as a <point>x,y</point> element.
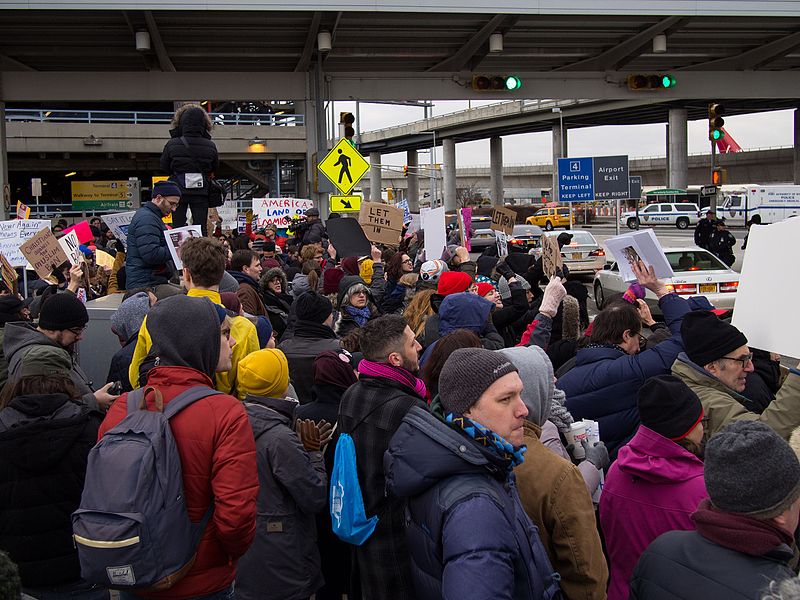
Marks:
<point>550,218</point>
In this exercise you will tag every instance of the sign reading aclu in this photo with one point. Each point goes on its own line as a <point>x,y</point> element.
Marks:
<point>597,178</point>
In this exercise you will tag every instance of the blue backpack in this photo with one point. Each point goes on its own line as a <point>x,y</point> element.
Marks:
<point>132,529</point>
<point>350,522</point>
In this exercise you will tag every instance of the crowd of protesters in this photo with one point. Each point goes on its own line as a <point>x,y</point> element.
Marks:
<point>461,384</point>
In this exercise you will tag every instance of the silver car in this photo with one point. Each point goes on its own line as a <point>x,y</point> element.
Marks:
<point>697,273</point>
<point>583,254</point>
<point>482,239</point>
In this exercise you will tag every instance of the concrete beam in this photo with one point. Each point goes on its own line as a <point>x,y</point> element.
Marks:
<point>161,50</point>
<point>5,188</point>
<point>497,193</point>
<point>678,149</point>
<point>412,161</point>
<point>449,174</point>
<point>755,58</point>
<point>311,42</point>
<point>375,177</point>
<point>21,86</point>
<point>463,55</point>
<point>796,161</point>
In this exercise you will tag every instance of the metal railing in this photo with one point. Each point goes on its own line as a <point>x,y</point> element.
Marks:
<point>145,117</point>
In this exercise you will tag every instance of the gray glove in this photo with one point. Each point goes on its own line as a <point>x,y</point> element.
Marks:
<point>596,454</point>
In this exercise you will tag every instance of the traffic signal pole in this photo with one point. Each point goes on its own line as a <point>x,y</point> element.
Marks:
<point>713,205</point>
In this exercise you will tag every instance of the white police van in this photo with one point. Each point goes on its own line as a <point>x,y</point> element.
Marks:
<point>678,214</point>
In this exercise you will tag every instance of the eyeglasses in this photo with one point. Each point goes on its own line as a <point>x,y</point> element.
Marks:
<point>408,261</point>
<point>76,330</point>
<point>642,342</point>
<point>747,358</point>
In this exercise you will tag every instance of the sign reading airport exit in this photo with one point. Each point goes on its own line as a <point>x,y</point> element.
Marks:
<point>593,178</point>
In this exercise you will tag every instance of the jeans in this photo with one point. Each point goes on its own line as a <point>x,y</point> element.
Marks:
<point>226,594</point>
<point>73,591</point>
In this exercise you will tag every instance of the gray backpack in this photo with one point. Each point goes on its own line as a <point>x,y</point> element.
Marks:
<point>132,529</point>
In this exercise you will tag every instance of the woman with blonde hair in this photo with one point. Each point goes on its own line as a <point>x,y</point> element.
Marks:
<point>190,158</point>
<point>418,311</point>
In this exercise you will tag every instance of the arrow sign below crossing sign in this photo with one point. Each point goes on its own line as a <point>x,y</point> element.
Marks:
<point>345,203</point>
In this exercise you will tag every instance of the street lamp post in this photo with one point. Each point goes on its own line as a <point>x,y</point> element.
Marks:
<point>561,154</point>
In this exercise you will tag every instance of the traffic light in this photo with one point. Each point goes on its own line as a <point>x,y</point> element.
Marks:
<point>346,121</point>
<point>663,81</point>
<point>719,176</point>
<point>496,83</point>
<point>405,170</point>
<point>715,121</point>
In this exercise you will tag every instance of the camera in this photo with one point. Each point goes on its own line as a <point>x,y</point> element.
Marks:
<point>297,225</point>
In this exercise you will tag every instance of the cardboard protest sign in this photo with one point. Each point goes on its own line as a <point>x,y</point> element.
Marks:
<point>551,256</point>
<point>71,245</point>
<point>766,298</point>
<point>381,223</point>
<point>176,237</point>
<point>104,260</point>
<point>348,238</point>
<point>630,247</point>
<point>433,224</point>
<point>8,275</point>
<point>118,223</point>
<point>83,230</point>
<point>278,211</point>
<point>44,253</point>
<point>503,219</point>
<point>14,233</point>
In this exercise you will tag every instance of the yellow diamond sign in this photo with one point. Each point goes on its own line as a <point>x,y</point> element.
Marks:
<point>344,166</point>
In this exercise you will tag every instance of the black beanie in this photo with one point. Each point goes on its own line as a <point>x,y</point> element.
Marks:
<point>313,307</point>
<point>750,469</point>
<point>706,338</point>
<point>165,188</point>
<point>669,407</point>
<point>63,311</point>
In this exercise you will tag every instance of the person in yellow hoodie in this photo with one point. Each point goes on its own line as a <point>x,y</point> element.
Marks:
<point>203,266</point>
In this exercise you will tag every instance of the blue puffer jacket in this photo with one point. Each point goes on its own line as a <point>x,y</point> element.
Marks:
<point>468,535</point>
<point>604,382</point>
<point>146,263</point>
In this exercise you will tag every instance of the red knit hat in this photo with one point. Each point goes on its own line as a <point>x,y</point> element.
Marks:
<point>453,282</point>
<point>484,288</point>
<point>331,280</point>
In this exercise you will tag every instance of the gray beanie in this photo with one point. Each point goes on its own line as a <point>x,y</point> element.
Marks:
<point>467,373</point>
<point>505,290</point>
<point>130,314</point>
<point>750,469</point>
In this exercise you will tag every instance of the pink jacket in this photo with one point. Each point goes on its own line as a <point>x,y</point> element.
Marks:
<point>652,488</point>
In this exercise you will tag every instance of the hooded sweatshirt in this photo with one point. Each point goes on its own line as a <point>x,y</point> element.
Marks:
<point>553,490</point>
<point>653,487</point>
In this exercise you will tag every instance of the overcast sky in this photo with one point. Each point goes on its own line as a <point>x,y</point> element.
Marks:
<point>750,131</point>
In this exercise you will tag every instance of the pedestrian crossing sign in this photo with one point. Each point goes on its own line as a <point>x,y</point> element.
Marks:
<point>344,166</point>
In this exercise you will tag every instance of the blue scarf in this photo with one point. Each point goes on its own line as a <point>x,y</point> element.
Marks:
<point>360,315</point>
<point>487,438</point>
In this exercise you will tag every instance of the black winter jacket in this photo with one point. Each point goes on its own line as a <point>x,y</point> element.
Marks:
<point>301,349</point>
<point>283,562</point>
<point>44,443</point>
<point>177,159</point>
<point>683,565</point>
<point>121,362</point>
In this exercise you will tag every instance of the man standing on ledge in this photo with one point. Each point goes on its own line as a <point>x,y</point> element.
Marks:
<point>147,262</point>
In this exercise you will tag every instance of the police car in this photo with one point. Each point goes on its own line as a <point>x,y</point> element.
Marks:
<point>681,215</point>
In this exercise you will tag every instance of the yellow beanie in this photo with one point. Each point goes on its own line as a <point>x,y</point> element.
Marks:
<point>365,270</point>
<point>263,373</point>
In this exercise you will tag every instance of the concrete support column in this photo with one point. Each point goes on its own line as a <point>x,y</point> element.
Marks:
<point>678,149</point>
<point>796,145</point>
<point>374,176</point>
<point>496,190</point>
<point>666,162</point>
<point>5,186</point>
<point>412,194</point>
<point>559,151</point>
<point>449,174</point>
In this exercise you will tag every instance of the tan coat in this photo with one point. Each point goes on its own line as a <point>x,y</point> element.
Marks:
<point>555,497</point>
<point>251,301</point>
<point>722,405</point>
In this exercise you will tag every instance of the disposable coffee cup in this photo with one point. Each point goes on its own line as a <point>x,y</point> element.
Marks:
<point>592,431</point>
<point>575,435</point>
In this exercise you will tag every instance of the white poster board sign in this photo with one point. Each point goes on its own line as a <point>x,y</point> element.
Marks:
<point>276,211</point>
<point>501,239</point>
<point>118,223</point>
<point>71,245</point>
<point>13,233</point>
<point>433,224</point>
<point>228,212</point>
<point>629,247</point>
<point>176,237</point>
<point>767,295</point>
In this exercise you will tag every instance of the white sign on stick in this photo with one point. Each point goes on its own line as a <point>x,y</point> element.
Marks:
<point>14,233</point>
<point>71,245</point>
<point>433,224</point>
<point>766,299</point>
<point>276,211</point>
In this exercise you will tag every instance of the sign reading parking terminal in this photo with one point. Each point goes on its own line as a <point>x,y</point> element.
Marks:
<point>593,178</point>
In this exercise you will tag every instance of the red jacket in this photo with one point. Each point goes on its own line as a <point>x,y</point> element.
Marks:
<point>218,458</point>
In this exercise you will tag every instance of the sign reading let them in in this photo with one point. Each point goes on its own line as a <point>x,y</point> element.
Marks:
<point>381,223</point>
<point>503,220</point>
<point>344,166</point>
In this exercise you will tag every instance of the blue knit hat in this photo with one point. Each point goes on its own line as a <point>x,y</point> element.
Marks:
<point>165,188</point>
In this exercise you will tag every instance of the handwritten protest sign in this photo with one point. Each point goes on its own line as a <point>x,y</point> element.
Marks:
<point>44,253</point>
<point>8,274</point>
<point>118,223</point>
<point>381,223</point>
<point>71,246</point>
<point>13,234</point>
<point>503,220</point>
<point>83,230</point>
<point>551,256</point>
<point>276,211</point>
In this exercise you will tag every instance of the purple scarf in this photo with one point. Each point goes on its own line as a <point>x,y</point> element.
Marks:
<point>386,371</point>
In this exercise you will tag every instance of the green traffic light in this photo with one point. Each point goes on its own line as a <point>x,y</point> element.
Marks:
<point>513,83</point>
<point>668,81</point>
<point>717,134</point>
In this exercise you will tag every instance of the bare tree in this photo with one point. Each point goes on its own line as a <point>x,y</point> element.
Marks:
<point>471,195</point>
